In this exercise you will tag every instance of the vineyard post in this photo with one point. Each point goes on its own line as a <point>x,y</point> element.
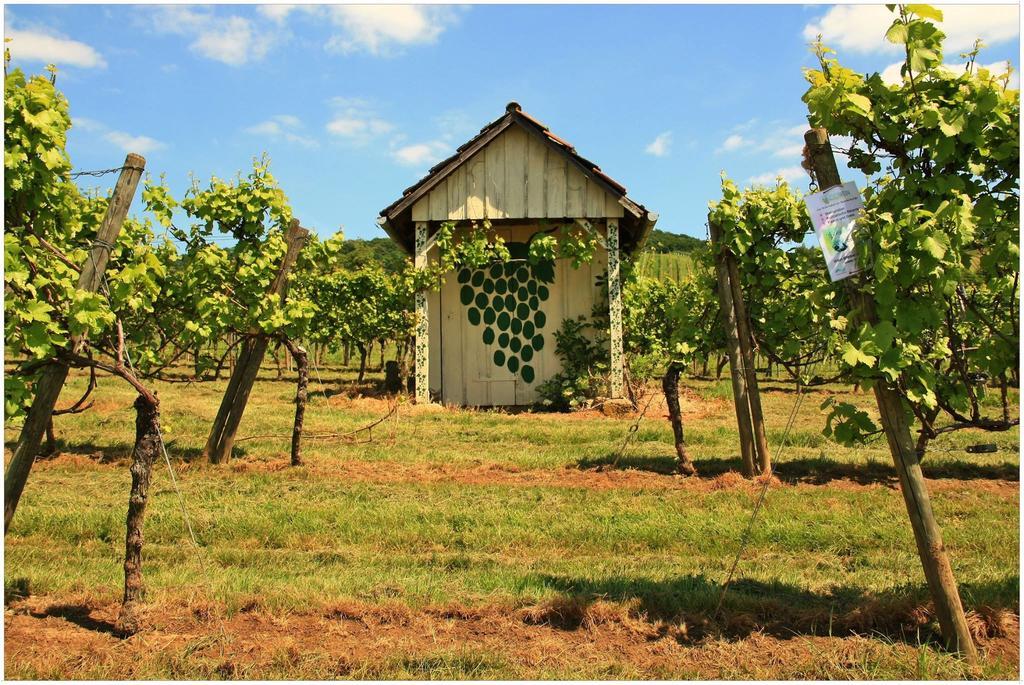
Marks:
<point>232,406</point>
<point>937,569</point>
<point>51,380</point>
<point>739,384</point>
<point>749,365</point>
<point>144,452</point>
<point>301,357</point>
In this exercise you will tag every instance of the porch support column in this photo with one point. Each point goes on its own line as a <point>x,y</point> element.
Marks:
<point>615,307</point>
<point>422,321</point>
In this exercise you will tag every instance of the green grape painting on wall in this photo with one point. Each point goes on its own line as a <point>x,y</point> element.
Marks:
<point>505,299</point>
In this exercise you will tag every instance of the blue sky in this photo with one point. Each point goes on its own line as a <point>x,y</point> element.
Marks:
<point>354,103</point>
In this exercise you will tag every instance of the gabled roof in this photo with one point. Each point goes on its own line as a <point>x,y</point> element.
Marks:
<point>396,218</point>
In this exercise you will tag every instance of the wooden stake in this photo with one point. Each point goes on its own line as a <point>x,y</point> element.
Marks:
<point>764,460</point>
<point>739,384</point>
<point>232,406</point>
<point>145,451</point>
<point>301,393</point>
<point>51,379</point>
<point>893,412</point>
<point>670,386</point>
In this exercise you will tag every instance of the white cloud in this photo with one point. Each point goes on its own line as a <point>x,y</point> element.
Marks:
<point>35,46</point>
<point>661,145</point>
<point>86,124</point>
<point>420,153</point>
<point>232,40</point>
<point>288,120</point>
<point>790,149</point>
<point>840,146</point>
<point>456,124</point>
<point>733,142</point>
<point>129,143</point>
<point>381,29</point>
<point>276,13</point>
<point>453,127</point>
<point>353,127</point>
<point>126,141</point>
<point>891,74</point>
<point>343,102</point>
<point>299,140</point>
<point>861,28</point>
<point>282,127</point>
<point>774,138</point>
<point>356,121</point>
<point>265,128</point>
<point>784,141</point>
<point>789,173</point>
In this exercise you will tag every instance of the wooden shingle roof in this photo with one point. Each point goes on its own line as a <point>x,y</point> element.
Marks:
<point>396,218</point>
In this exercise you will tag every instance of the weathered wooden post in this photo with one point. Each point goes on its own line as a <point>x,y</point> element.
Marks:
<point>764,460</point>
<point>301,357</point>
<point>146,450</point>
<point>927,533</point>
<point>670,386</point>
<point>739,383</point>
<point>52,378</point>
<point>232,406</point>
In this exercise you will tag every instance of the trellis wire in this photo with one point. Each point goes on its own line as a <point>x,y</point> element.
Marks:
<point>630,433</point>
<point>330,407</point>
<point>103,172</point>
<point>745,538</point>
<point>163,448</point>
<point>323,390</point>
<point>323,436</point>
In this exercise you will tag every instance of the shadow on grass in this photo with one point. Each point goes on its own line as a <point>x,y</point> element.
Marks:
<point>16,588</point>
<point>190,454</point>
<point>121,452</point>
<point>117,452</point>
<point>351,389</point>
<point>663,465</point>
<point>79,614</point>
<point>814,390</point>
<point>814,471</point>
<point>780,609</point>
<point>820,471</point>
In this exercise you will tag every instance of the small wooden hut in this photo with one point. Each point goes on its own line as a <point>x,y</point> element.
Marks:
<point>486,337</point>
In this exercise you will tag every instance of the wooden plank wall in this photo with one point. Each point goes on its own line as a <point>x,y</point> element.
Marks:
<point>517,176</point>
<point>464,364</point>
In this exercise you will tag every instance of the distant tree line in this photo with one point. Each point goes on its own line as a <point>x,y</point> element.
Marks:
<point>357,253</point>
<point>665,242</point>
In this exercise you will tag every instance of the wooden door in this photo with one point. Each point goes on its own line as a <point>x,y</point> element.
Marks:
<point>499,322</point>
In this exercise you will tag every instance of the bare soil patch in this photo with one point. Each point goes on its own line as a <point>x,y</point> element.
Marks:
<point>489,473</point>
<point>54,636</point>
<point>692,404</point>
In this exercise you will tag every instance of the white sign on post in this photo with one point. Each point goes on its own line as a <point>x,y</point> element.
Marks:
<point>834,213</point>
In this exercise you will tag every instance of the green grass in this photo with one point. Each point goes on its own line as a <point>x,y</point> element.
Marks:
<point>832,538</point>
